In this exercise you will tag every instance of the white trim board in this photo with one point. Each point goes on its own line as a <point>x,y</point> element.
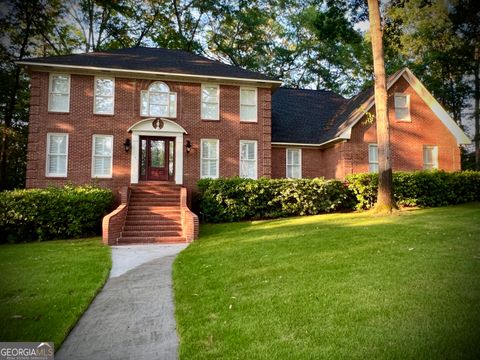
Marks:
<point>198,78</point>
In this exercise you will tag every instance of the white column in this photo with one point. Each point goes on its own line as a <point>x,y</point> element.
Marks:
<point>179,159</point>
<point>134,159</point>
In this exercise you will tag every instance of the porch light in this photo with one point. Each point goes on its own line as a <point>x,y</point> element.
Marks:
<point>127,145</point>
<point>188,146</point>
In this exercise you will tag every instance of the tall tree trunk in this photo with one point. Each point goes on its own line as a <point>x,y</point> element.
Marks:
<point>385,201</point>
<point>477,108</point>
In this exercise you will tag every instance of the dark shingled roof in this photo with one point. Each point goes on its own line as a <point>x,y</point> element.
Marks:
<point>153,59</point>
<point>300,116</point>
<point>315,116</point>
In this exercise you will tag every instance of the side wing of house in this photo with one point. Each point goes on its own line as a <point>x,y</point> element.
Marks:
<point>422,134</point>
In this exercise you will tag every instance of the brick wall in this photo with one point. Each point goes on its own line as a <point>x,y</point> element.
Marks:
<point>80,123</point>
<point>407,141</point>
<point>407,138</point>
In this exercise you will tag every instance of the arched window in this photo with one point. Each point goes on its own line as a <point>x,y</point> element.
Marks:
<point>158,101</point>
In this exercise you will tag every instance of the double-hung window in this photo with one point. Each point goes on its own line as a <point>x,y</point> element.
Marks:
<point>248,104</point>
<point>209,164</point>
<point>210,102</point>
<point>104,95</point>
<point>373,158</point>
<point>158,101</point>
<point>59,93</point>
<point>248,159</point>
<point>57,155</point>
<point>430,157</point>
<point>102,151</point>
<point>402,107</point>
<point>294,163</point>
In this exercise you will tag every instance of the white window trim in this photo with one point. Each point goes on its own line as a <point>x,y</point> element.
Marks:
<point>202,176</point>
<point>254,142</point>
<point>47,160</point>
<point>95,95</point>
<point>435,155</point>
<point>217,118</point>
<point>408,118</point>
<point>370,162</point>
<point>287,164</point>
<point>50,80</point>
<point>172,113</point>
<point>109,176</point>
<point>256,104</point>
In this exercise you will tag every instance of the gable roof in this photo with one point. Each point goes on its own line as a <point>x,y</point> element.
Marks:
<point>150,60</point>
<point>300,116</point>
<point>348,113</point>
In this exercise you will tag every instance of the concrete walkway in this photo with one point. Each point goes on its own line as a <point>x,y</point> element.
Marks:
<point>133,316</point>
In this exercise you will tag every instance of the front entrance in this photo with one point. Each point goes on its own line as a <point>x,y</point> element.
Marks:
<point>157,158</point>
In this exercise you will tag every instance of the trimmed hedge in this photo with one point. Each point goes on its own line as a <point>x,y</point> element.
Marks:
<point>421,188</point>
<point>234,199</point>
<point>53,213</point>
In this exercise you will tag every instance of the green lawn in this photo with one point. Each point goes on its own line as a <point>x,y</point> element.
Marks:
<point>46,286</point>
<point>333,286</point>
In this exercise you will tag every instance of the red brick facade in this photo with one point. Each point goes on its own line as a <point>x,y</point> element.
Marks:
<point>336,161</point>
<point>81,124</point>
<point>407,142</point>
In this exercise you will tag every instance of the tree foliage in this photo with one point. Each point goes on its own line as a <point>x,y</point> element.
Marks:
<point>306,43</point>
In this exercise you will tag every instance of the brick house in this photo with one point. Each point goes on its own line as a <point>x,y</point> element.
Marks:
<point>148,123</point>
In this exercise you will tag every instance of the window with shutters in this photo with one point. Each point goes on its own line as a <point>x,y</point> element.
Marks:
<point>102,155</point>
<point>158,101</point>
<point>57,155</point>
<point>248,159</point>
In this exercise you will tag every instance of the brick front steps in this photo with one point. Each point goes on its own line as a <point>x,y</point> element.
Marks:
<point>152,213</point>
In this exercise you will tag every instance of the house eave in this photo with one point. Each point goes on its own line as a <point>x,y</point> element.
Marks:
<point>47,67</point>
<point>325,144</point>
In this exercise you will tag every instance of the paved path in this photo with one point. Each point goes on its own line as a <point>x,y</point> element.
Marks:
<point>133,316</point>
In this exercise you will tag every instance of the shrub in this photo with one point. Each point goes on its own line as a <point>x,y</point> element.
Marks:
<point>421,188</point>
<point>53,213</point>
<point>236,199</point>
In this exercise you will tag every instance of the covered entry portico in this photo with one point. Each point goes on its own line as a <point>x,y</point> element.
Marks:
<point>157,151</point>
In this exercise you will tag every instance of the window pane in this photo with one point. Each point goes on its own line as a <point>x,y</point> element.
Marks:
<point>58,144</point>
<point>104,105</point>
<point>59,102</point>
<point>248,112</point>
<point>373,153</point>
<point>144,103</point>
<point>400,101</point>
<point>158,110</point>
<point>210,94</point>
<point>159,87</point>
<point>159,98</point>
<point>401,113</point>
<point>104,87</point>
<point>172,105</point>
<point>247,96</point>
<point>209,111</point>
<point>103,145</point>
<point>60,84</point>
